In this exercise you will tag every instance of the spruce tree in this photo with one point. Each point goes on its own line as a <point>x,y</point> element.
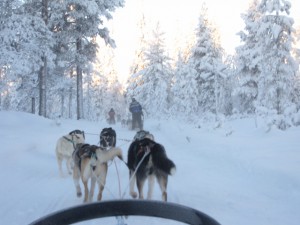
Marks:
<point>153,89</point>
<point>184,92</point>
<point>277,66</point>
<point>206,59</point>
<point>25,43</point>
<point>247,61</point>
<point>78,24</point>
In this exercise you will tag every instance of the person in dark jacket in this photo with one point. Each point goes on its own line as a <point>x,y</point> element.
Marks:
<point>111,115</point>
<point>136,110</point>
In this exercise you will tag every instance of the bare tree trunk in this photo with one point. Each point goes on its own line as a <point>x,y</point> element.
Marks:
<point>278,103</point>
<point>43,70</point>
<point>70,97</point>
<point>70,102</point>
<point>79,93</point>
<point>62,104</point>
<point>79,84</point>
<point>33,105</point>
<point>42,88</point>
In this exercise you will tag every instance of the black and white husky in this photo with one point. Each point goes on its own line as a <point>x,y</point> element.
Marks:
<point>148,160</point>
<point>108,138</point>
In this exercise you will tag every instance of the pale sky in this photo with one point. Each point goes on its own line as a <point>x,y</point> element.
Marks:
<point>178,18</point>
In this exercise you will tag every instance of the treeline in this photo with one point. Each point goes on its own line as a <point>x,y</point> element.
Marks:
<point>261,79</point>
<point>49,52</point>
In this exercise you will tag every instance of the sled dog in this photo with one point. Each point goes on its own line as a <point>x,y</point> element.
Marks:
<point>143,134</point>
<point>90,162</point>
<point>65,147</point>
<point>123,123</point>
<point>108,138</point>
<point>129,124</point>
<point>155,164</point>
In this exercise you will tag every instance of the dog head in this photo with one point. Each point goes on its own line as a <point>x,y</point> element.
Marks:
<point>142,146</point>
<point>77,136</point>
<point>143,134</point>
<point>108,138</point>
<point>146,142</point>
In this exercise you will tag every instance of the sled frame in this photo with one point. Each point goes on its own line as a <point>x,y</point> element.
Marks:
<point>113,208</point>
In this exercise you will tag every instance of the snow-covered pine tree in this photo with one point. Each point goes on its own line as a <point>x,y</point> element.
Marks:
<point>63,75</point>
<point>226,100</point>
<point>297,45</point>
<point>106,90</point>
<point>184,92</point>
<point>99,95</point>
<point>153,88</point>
<point>25,42</point>
<point>78,25</point>
<point>296,53</point>
<point>102,89</point>
<point>206,59</point>
<point>247,62</point>
<point>277,66</point>
<point>139,61</point>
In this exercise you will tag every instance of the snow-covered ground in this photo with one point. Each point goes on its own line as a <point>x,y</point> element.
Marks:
<point>238,173</point>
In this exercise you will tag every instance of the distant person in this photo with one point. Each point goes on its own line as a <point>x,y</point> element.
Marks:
<point>136,110</point>
<point>111,114</point>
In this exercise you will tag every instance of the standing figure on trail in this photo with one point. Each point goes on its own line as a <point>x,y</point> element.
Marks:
<point>136,109</point>
<point>111,114</point>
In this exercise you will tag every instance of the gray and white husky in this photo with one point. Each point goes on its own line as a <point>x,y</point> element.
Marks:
<point>65,146</point>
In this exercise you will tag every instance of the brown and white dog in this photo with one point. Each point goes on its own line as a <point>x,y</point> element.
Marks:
<point>65,146</point>
<point>148,160</point>
<point>91,163</point>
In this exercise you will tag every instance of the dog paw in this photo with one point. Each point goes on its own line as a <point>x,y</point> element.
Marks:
<point>173,171</point>
<point>133,194</point>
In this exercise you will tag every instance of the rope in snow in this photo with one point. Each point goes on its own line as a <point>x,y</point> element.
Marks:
<point>120,219</point>
<point>92,134</point>
<point>121,139</point>
<point>100,181</point>
<point>119,180</point>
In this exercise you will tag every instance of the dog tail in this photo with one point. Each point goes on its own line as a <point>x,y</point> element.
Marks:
<point>161,160</point>
<point>168,166</point>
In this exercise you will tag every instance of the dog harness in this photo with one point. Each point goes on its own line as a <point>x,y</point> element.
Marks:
<point>71,140</point>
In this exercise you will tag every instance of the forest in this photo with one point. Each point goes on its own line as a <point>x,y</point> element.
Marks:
<point>56,60</point>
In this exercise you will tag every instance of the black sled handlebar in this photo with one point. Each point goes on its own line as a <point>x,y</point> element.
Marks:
<point>124,208</point>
